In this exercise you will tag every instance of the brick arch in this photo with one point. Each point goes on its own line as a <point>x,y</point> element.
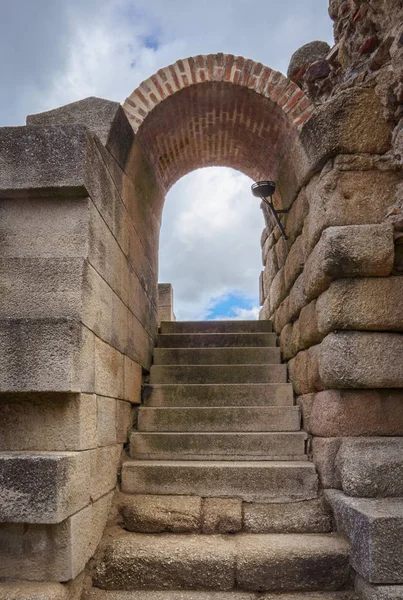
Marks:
<point>216,110</point>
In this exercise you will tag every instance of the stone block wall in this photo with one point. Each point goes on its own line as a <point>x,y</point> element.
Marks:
<point>78,318</point>
<point>165,302</point>
<point>334,287</point>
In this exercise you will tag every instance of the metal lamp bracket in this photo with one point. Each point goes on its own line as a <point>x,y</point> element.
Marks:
<point>265,190</point>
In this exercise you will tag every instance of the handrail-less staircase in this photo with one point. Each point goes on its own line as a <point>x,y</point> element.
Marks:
<point>219,499</point>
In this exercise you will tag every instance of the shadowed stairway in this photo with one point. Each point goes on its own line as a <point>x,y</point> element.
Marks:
<point>219,499</point>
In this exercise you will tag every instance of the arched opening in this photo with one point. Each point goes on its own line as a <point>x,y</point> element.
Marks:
<point>209,245</point>
<point>217,110</point>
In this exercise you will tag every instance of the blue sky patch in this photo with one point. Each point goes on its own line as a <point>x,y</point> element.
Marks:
<point>228,305</point>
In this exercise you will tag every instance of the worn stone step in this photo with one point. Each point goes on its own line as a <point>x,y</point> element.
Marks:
<point>97,594</point>
<point>216,326</point>
<point>217,356</point>
<point>251,562</point>
<point>252,481</point>
<point>374,528</point>
<point>192,514</point>
<point>218,374</point>
<point>218,446</point>
<point>217,394</point>
<point>224,418</point>
<point>216,340</point>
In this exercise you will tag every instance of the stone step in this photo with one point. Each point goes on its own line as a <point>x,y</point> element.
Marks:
<point>252,481</point>
<point>192,514</point>
<point>218,374</point>
<point>374,528</point>
<point>217,356</point>
<point>218,446</point>
<point>216,394</point>
<point>216,326</point>
<point>97,594</point>
<point>250,562</point>
<point>216,340</point>
<point>210,419</point>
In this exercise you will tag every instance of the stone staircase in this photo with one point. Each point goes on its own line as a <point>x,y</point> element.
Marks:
<point>219,499</point>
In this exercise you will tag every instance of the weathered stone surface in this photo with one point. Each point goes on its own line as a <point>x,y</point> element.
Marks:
<point>42,591</point>
<point>104,466</point>
<point>165,302</point>
<point>295,262</point>
<point>277,290</point>
<point>222,515</point>
<point>286,342</point>
<point>232,445</point>
<point>222,340</point>
<point>349,251</point>
<point>296,216</point>
<point>157,514</point>
<point>44,161</point>
<point>254,394</point>
<point>218,374</point>
<point>365,303</point>
<point>250,562</point>
<point>311,516</point>
<point>97,594</point>
<point>95,113</point>
<point>371,467</point>
<point>305,402</point>
<point>351,122</point>
<point>207,419</point>
<point>109,378</point>
<point>216,356</point>
<point>304,371</point>
<point>368,591</point>
<point>106,421</point>
<point>324,452</point>
<point>266,481</point>
<point>56,552</point>
<point>336,413</point>
<point>341,198</point>
<point>297,298</point>
<point>132,381</point>
<point>355,359</point>
<point>46,355</point>
<point>292,562</point>
<point>124,421</point>
<point>374,529</point>
<point>305,56</point>
<point>43,487</point>
<point>134,561</point>
<point>309,334</point>
<point>205,327</point>
<point>55,422</point>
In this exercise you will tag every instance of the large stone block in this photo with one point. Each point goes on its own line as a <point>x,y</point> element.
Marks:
<point>55,228</point>
<point>352,122</point>
<point>157,514</point>
<point>339,198</point>
<point>324,452</point>
<point>349,251</point>
<point>354,359</point>
<point>221,515</point>
<point>109,376</point>
<point>365,303</point>
<point>356,412</point>
<point>311,516</point>
<point>367,591</point>
<point>371,467</point>
<point>104,467</point>
<point>46,355</point>
<point>53,422</point>
<point>57,552</point>
<point>44,161</point>
<point>97,114</point>
<point>44,487</point>
<point>374,529</point>
<point>304,371</point>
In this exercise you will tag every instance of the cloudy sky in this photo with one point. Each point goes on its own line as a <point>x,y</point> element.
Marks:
<point>58,51</point>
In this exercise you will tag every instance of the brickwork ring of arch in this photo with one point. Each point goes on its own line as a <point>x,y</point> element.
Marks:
<point>181,118</point>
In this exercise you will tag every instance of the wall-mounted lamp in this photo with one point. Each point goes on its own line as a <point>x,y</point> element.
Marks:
<point>265,190</point>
